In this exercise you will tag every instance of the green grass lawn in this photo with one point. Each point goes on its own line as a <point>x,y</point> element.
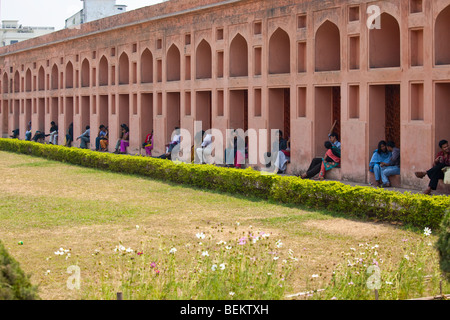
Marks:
<point>49,205</point>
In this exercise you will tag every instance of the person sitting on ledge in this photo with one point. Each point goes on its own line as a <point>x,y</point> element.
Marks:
<point>85,138</point>
<point>15,134</point>
<point>125,141</point>
<point>122,131</point>
<point>333,137</point>
<point>148,144</point>
<point>104,141</point>
<point>281,155</point>
<point>381,154</point>
<point>28,133</point>
<point>392,167</point>
<point>39,136</point>
<point>235,157</point>
<point>101,136</point>
<point>169,147</point>
<point>69,135</point>
<point>441,161</point>
<point>53,133</point>
<point>205,150</point>
<point>331,159</point>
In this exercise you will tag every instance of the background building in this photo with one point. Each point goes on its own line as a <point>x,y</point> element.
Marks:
<point>298,66</point>
<point>94,10</point>
<point>12,32</point>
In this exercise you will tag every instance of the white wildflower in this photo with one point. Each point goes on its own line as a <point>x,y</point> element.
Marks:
<point>427,231</point>
<point>279,244</point>
<point>205,254</point>
<point>222,266</point>
<point>214,267</point>
<point>200,235</point>
<point>173,250</point>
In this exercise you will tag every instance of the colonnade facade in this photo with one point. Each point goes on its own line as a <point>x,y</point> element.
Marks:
<point>378,70</point>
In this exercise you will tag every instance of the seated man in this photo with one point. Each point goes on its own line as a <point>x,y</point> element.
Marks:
<point>85,138</point>
<point>281,155</point>
<point>441,161</point>
<point>28,133</point>
<point>15,134</point>
<point>205,150</point>
<point>316,163</point>
<point>392,167</point>
<point>101,136</point>
<point>53,133</point>
<point>39,136</point>
<point>169,147</point>
<point>333,137</point>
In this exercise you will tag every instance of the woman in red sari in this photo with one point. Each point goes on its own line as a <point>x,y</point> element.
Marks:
<point>331,159</point>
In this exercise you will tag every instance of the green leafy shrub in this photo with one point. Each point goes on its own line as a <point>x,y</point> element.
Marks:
<point>14,284</point>
<point>443,245</point>
<point>415,209</point>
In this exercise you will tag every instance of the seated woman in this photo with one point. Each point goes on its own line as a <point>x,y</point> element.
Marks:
<point>235,157</point>
<point>104,141</point>
<point>125,141</point>
<point>331,159</point>
<point>117,148</point>
<point>101,136</point>
<point>381,154</point>
<point>148,144</point>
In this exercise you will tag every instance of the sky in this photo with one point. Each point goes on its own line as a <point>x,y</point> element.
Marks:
<point>53,13</point>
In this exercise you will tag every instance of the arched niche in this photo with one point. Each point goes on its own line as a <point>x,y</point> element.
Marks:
<point>173,63</point>
<point>204,60</point>
<point>384,43</point>
<point>279,52</point>
<point>328,48</point>
<point>238,57</point>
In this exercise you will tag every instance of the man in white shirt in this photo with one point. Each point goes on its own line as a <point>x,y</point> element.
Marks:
<point>205,151</point>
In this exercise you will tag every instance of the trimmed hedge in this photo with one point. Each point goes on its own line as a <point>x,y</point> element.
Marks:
<point>14,284</point>
<point>443,245</point>
<point>415,209</point>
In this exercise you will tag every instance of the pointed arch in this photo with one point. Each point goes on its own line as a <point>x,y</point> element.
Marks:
<point>384,43</point>
<point>54,79</point>
<point>442,38</point>
<point>103,71</point>
<point>124,69</point>
<point>147,66</point>
<point>204,60</point>
<point>238,57</point>
<point>173,63</point>
<point>328,47</point>
<point>28,80</point>
<point>69,75</point>
<point>279,52</point>
<point>85,73</point>
<point>41,78</point>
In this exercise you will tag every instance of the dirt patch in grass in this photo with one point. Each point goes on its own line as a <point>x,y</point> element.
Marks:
<point>358,230</point>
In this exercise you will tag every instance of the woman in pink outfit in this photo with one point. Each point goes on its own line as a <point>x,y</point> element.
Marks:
<point>124,143</point>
